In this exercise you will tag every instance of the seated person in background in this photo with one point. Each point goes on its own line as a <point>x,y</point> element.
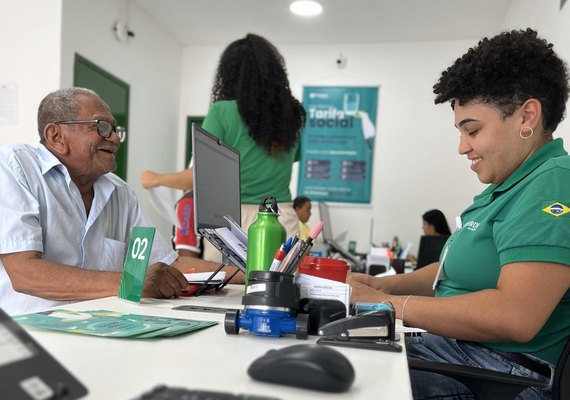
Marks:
<point>66,220</point>
<point>502,294</point>
<point>433,224</point>
<point>186,242</point>
<point>302,206</point>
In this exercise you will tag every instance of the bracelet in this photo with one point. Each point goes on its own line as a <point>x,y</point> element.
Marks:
<point>404,309</point>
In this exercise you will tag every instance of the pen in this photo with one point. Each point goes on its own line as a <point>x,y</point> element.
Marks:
<point>279,256</point>
<point>295,240</point>
<point>288,244</point>
<point>290,256</point>
<point>305,247</point>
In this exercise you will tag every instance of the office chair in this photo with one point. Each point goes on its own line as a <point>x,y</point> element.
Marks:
<point>486,384</point>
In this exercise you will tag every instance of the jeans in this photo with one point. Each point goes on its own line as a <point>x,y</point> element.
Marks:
<point>427,385</point>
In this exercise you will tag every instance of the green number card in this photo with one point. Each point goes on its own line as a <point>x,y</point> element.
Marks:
<point>136,262</point>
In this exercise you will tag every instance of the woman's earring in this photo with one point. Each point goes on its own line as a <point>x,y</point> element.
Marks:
<point>525,137</point>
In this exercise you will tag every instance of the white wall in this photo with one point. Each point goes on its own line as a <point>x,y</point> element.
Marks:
<point>31,56</point>
<point>41,38</point>
<point>149,63</point>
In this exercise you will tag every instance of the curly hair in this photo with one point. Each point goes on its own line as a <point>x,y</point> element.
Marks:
<point>504,72</point>
<point>252,72</point>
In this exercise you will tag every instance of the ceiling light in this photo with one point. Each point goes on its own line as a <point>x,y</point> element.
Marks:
<point>306,8</point>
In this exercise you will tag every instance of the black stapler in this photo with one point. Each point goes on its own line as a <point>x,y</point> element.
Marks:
<point>374,330</point>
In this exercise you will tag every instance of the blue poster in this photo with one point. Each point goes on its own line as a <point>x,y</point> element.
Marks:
<point>337,144</point>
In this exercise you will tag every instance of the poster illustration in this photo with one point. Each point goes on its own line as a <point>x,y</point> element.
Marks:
<point>337,144</point>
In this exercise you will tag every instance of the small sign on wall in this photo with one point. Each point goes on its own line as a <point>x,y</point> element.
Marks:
<point>8,103</point>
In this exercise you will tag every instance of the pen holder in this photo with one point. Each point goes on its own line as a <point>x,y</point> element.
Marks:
<point>271,304</point>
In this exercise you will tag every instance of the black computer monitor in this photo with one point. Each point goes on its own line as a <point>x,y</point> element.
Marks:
<point>430,249</point>
<point>216,173</point>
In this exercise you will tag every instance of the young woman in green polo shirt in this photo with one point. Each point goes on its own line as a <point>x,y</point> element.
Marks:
<point>499,296</point>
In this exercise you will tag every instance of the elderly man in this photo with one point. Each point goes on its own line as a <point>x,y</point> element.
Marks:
<point>66,221</point>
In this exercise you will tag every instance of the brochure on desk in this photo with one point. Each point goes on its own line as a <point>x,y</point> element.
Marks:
<point>111,323</point>
<point>313,287</point>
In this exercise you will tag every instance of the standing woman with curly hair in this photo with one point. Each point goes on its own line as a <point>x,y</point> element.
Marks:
<point>253,111</point>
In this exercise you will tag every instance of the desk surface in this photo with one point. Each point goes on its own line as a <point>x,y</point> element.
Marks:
<point>114,368</point>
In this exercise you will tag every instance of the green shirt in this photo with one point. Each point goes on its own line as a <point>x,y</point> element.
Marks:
<point>524,219</point>
<point>261,174</point>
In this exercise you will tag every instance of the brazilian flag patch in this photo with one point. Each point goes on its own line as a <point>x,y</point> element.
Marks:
<point>556,209</point>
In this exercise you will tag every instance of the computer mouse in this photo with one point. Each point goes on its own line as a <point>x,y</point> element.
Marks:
<point>307,366</point>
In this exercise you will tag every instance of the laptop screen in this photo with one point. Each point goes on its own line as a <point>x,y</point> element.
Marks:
<point>216,172</point>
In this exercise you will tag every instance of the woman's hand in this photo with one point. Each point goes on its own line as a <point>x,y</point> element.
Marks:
<point>365,293</point>
<point>149,179</point>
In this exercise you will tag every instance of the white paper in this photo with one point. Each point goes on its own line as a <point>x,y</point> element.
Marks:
<point>200,277</point>
<point>400,328</point>
<point>232,242</point>
<point>406,251</point>
<point>312,287</point>
<point>163,201</point>
<point>8,103</point>
<point>236,229</point>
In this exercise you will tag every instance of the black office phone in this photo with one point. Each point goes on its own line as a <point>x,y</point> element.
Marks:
<point>28,371</point>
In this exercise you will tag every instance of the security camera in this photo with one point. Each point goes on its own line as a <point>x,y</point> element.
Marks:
<point>341,61</point>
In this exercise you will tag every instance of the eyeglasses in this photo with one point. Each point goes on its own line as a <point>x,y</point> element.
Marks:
<point>104,128</point>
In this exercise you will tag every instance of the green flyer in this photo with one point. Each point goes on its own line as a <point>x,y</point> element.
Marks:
<point>111,323</point>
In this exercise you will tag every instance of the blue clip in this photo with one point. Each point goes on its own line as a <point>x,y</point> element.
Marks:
<point>363,307</point>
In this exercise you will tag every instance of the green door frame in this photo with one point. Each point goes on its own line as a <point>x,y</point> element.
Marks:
<point>114,92</point>
<point>189,120</point>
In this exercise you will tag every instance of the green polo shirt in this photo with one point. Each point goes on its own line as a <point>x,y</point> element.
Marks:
<point>524,219</point>
<point>260,173</point>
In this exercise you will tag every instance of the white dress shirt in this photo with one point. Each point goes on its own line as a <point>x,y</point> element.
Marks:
<point>41,210</point>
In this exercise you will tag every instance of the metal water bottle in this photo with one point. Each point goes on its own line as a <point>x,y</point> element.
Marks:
<point>264,237</point>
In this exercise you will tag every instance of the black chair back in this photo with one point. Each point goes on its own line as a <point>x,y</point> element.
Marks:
<point>561,382</point>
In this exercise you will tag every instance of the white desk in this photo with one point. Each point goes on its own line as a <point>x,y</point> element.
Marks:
<point>113,368</point>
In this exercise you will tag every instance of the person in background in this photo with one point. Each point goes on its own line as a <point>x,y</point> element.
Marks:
<point>254,111</point>
<point>186,241</point>
<point>302,206</point>
<point>500,299</point>
<point>66,219</point>
<point>434,223</point>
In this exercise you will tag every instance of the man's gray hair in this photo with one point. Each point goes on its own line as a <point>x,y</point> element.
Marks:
<point>61,105</point>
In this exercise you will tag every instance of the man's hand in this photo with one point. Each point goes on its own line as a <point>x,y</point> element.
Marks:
<point>163,281</point>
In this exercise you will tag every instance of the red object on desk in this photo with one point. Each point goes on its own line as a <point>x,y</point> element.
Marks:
<point>328,268</point>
